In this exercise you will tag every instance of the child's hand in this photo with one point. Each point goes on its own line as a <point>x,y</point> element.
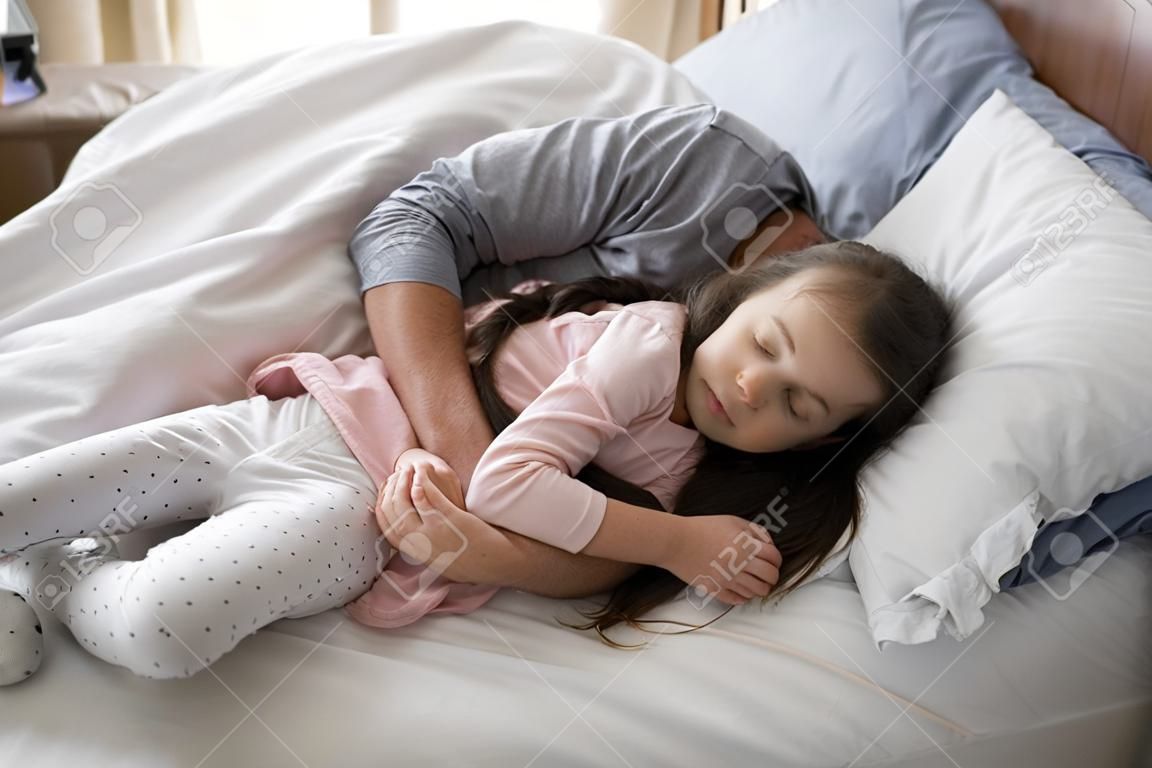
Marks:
<point>728,557</point>
<point>419,521</point>
<point>436,470</point>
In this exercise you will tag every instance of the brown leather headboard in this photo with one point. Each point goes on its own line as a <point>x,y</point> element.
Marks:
<point>1097,54</point>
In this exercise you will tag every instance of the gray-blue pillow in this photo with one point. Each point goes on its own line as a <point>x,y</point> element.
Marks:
<point>825,79</point>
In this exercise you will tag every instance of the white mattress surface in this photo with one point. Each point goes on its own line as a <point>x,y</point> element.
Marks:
<point>798,684</point>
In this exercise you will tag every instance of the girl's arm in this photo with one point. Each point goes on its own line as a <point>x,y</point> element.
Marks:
<point>635,534</point>
<point>493,556</point>
<point>727,556</point>
<point>525,480</point>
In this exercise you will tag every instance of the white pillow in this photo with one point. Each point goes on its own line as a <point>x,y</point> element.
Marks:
<point>1044,401</point>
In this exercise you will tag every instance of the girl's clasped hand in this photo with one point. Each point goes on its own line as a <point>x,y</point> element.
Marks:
<point>727,557</point>
<point>420,510</point>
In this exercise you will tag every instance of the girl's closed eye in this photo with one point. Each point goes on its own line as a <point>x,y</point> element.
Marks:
<point>791,410</point>
<point>787,400</point>
<point>763,348</point>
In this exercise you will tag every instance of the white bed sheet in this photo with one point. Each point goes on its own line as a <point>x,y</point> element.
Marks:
<point>241,189</point>
<point>1045,683</point>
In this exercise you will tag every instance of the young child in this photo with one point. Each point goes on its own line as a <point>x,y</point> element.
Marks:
<point>813,359</point>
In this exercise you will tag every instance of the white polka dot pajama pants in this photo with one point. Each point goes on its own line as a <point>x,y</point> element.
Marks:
<point>289,532</point>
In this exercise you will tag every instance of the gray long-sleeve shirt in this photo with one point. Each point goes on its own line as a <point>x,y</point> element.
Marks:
<point>665,195</point>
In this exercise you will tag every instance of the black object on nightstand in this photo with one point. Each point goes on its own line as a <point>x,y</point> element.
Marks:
<point>19,79</point>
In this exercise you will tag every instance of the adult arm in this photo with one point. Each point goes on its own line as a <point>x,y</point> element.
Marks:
<point>520,197</point>
<point>513,197</point>
<point>427,367</point>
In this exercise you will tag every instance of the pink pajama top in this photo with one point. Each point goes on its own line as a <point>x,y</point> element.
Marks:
<point>589,387</point>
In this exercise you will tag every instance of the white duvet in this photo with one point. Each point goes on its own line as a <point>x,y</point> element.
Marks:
<point>206,230</point>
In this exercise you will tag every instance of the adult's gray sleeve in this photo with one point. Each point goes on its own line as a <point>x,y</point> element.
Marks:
<point>523,194</point>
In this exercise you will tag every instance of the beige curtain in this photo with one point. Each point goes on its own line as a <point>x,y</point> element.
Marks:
<point>165,31</point>
<point>99,31</point>
<point>667,28</point>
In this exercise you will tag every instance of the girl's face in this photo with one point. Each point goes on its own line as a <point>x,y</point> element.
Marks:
<point>783,370</point>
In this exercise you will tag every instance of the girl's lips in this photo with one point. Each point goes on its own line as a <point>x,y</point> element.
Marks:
<point>716,406</point>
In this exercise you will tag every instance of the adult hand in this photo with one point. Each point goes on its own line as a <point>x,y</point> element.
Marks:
<point>730,558</point>
<point>420,521</point>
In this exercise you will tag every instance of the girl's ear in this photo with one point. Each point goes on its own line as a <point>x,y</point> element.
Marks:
<point>816,443</point>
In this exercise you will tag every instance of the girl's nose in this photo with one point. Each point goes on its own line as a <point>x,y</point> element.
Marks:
<point>749,387</point>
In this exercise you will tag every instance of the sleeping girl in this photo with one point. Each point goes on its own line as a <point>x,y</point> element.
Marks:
<point>700,407</point>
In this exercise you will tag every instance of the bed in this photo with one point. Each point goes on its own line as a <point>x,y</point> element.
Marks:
<point>230,210</point>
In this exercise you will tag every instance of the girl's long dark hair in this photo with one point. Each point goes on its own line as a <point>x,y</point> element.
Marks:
<point>807,498</point>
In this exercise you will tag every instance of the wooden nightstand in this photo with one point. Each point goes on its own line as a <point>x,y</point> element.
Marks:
<point>39,138</point>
